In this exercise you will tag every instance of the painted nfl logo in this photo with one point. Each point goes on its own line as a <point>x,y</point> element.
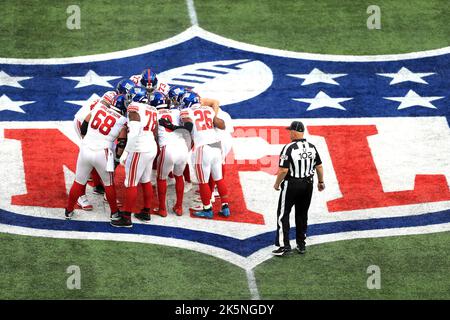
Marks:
<point>380,112</point>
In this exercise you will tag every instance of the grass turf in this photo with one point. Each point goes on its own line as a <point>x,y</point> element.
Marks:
<point>411,267</point>
<point>37,28</point>
<point>35,268</point>
<point>338,27</point>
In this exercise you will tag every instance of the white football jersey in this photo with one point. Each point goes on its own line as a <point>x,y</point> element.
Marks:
<point>149,118</point>
<point>160,86</point>
<point>85,110</point>
<point>203,131</point>
<point>166,136</point>
<point>104,127</point>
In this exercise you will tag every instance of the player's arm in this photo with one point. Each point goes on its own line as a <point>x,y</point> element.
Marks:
<point>219,123</point>
<point>84,125</point>
<point>185,119</point>
<point>121,142</point>
<point>213,103</point>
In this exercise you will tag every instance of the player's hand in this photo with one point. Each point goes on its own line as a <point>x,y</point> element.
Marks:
<point>123,157</point>
<point>321,186</point>
<point>276,186</point>
<point>166,123</point>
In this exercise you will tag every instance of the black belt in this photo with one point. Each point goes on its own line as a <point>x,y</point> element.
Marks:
<point>309,179</point>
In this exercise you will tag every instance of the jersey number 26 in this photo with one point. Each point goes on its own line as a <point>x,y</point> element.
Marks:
<point>203,120</point>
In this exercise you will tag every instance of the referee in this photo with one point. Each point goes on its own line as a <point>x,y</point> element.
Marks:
<point>298,161</point>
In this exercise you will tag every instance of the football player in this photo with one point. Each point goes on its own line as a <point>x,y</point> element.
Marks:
<point>138,156</point>
<point>174,152</point>
<point>207,154</point>
<point>99,130</point>
<point>149,80</point>
<point>107,98</point>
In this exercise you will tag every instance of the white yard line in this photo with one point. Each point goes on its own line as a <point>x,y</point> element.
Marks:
<point>192,12</point>
<point>252,284</point>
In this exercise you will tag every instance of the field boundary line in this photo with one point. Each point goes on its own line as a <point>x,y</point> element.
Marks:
<point>251,280</point>
<point>192,12</point>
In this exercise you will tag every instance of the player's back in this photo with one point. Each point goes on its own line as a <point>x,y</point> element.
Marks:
<point>203,131</point>
<point>148,119</point>
<point>103,128</point>
<point>166,136</point>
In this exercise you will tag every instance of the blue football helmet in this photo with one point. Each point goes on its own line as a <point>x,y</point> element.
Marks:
<point>189,99</point>
<point>120,104</point>
<point>149,79</point>
<point>175,94</point>
<point>158,100</point>
<point>124,86</point>
<point>138,94</point>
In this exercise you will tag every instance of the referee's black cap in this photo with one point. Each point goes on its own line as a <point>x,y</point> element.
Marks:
<point>297,126</point>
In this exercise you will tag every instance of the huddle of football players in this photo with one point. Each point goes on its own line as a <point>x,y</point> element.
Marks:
<point>145,124</point>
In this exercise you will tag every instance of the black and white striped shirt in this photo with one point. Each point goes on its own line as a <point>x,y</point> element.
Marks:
<point>301,158</point>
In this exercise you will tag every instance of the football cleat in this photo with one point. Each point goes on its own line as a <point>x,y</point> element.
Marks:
<point>205,213</point>
<point>178,210</point>
<point>68,214</point>
<point>159,212</point>
<point>281,251</point>
<point>83,203</point>
<point>115,215</point>
<point>124,221</point>
<point>99,189</point>
<point>144,215</point>
<point>225,212</point>
<point>301,248</point>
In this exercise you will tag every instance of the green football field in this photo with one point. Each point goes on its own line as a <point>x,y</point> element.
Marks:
<point>412,267</point>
